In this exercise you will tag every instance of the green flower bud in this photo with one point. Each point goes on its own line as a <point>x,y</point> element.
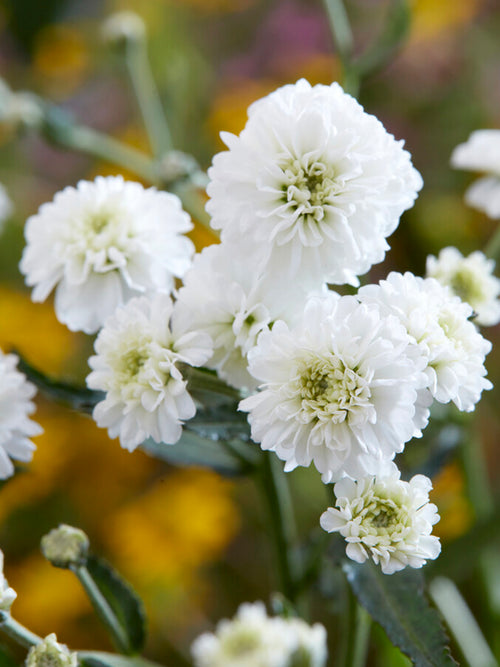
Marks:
<point>65,546</point>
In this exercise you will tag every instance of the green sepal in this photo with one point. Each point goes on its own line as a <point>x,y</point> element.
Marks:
<point>398,603</point>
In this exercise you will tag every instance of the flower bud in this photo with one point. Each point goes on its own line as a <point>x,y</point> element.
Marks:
<point>65,546</point>
<point>122,28</point>
<point>19,110</point>
<point>49,653</point>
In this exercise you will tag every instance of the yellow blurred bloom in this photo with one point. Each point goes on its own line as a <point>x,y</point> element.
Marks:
<point>431,18</point>
<point>183,521</point>
<point>454,508</point>
<point>61,57</point>
<point>34,331</point>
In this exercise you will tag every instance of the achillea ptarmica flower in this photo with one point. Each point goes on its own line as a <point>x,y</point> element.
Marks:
<point>138,352</point>
<point>471,278</point>
<point>65,546</point>
<point>253,639</point>
<point>222,297</point>
<point>7,594</point>
<point>16,428</point>
<point>437,321</point>
<point>385,519</point>
<point>314,182</point>
<point>49,653</point>
<point>481,152</point>
<point>102,243</point>
<point>341,389</point>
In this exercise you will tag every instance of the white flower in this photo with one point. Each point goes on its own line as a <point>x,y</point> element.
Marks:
<point>313,182</point>
<point>438,322</point>
<point>7,594</point>
<point>340,389</point>
<point>471,278</point>
<point>138,352</point>
<point>6,206</point>
<point>385,519</point>
<point>49,653</point>
<point>65,546</point>
<point>481,152</point>
<point>16,428</point>
<point>102,243</point>
<point>225,297</point>
<point>252,639</point>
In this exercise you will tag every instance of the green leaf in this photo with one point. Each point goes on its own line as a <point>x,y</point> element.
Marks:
<point>222,422</point>
<point>124,602</point>
<point>79,398</point>
<point>397,602</point>
<point>102,659</point>
<point>395,31</point>
<point>228,457</point>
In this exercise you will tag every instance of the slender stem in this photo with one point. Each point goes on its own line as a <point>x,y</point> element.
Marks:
<point>18,632</point>
<point>462,623</point>
<point>201,381</point>
<point>146,92</point>
<point>476,475</point>
<point>342,35</point>
<point>194,202</point>
<point>357,635</point>
<point>275,487</point>
<point>60,130</point>
<point>103,609</point>
<point>492,248</point>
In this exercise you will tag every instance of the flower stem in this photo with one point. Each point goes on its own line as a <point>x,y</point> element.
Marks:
<point>277,493</point>
<point>202,381</point>
<point>103,609</point>
<point>59,129</point>
<point>358,634</point>
<point>146,92</point>
<point>492,248</point>
<point>18,632</point>
<point>342,35</point>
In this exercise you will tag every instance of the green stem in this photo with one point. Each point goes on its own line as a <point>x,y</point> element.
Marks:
<point>277,493</point>
<point>476,474</point>
<point>60,130</point>
<point>194,203</point>
<point>201,381</point>
<point>358,634</point>
<point>492,248</point>
<point>18,632</point>
<point>148,98</point>
<point>342,35</point>
<point>103,609</point>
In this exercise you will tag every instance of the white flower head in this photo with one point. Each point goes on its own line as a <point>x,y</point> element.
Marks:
<point>16,428</point>
<point>6,206</point>
<point>139,350</point>
<point>385,519</point>
<point>7,594</point>
<point>341,389</point>
<point>49,653</point>
<point>471,278</point>
<point>438,322</point>
<point>481,152</point>
<point>253,639</point>
<point>65,546</point>
<point>233,304</point>
<point>313,182</point>
<point>102,243</point>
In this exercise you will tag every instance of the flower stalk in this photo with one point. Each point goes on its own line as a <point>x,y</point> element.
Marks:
<point>17,631</point>
<point>103,609</point>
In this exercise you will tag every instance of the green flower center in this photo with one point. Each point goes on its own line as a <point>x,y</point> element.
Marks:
<point>309,187</point>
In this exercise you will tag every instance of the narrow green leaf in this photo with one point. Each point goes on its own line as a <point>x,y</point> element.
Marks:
<point>122,599</point>
<point>228,457</point>
<point>79,398</point>
<point>397,602</point>
<point>102,659</point>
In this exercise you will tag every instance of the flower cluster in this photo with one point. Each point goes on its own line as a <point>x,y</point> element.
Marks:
<point>305,197</point>
<point>7,594</point>
<point>253,639</point>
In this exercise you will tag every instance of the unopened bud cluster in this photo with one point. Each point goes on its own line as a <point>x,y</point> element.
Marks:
<point>65,546</point>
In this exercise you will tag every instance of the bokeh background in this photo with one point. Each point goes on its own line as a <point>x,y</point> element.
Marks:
<point>192,543</point>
